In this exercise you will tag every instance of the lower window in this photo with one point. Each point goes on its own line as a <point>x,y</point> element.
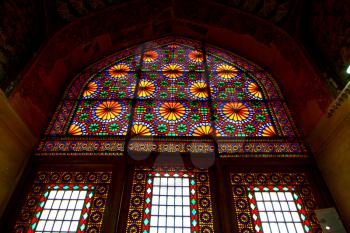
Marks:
<point>170,201</point>
<point>273,202</point>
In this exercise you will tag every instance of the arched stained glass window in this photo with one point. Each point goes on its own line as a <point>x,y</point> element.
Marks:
<point>173,95</point>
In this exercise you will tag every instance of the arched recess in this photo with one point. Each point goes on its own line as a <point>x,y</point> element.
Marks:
<point>155,98</point>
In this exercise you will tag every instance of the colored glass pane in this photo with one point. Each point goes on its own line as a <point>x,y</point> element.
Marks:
<point>170,201</point>
<point>103,117</point>
<point>171,118</point>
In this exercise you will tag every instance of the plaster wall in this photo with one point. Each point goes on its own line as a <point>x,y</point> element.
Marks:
<point>16,143</point>
<point>330,142</point>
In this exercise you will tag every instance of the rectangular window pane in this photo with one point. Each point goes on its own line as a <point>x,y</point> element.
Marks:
<point>173,212</point>
<point>62,211</point>
<point>277,211</point>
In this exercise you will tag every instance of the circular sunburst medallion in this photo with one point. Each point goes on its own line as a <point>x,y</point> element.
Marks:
<point>76,129</point>
<point>90,90</point>
<point>196,56</point>
<point>199,90</point>
<point>142,129</point>
<point>150,56</point>
<point>172,111</point>
<point>254,90</point>
<point>236,112</point>
<point>146,89</point>
<point>202,129</point>
<point>226,71</point>
<point>267,130</point>
<point>173,71</point>
<point>118,71</point>
<point>107,111</point>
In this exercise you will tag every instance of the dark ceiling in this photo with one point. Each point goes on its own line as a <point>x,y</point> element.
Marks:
<point>322,27</point>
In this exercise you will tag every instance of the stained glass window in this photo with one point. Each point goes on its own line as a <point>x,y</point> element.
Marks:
<point>273,202</point>
<point>173,90</point>
<point>170,201</point>
<point>65,202</point>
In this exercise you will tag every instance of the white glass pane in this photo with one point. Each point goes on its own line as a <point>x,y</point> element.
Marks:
<point>161,221</point>
<point>178,222</point>
<point>64,204</point>
<point>271,216</point>
<point>170,230</point>
<point>67,194</point>
<point>162,200</point>
<point>291,228</point>
<point>154,210</point>
<point>284,206</point>
<point>163,181</point>
<point>56,204</point>
<point>76,215</point>
<point>155,200</point>
<point>292,206</point>
<point>295,216</point>
<point>283,227</point>
<point>60,215</point>
<point>80,204</point>
<point>156,181</point>
<point>289,196</point>
<point>279,216</point>
<point>178,191</point>
<point>186,211</point>
<point>287,216</point>
<point>178,200</point>
<point>45,214</point>
<point>52,215</point>
<point>268,206</point>
<point>40,226</point>
<point>69,215</point>
<point>185,182</point>
<point>163,191</point>
<point>274,227</point>
<point>52,194</point>
<point>57,226</point>
<point>258,196</point>
<point>48,204</point>
<point>171,200</point>
<point>75,195</point>
<point>263,216</point>
<point>153,229</point>
<point>154,220</point>
<point>178,181</point>
<point>266,196</point>
<point>171,210</point>
<point>186,221</point>
<point>186,191</point>
<point>178,230</point>
<point>171,191</point>
<point>178,211</point>
<point>299,227</point>
<point>273,196</point>
<point>161,230</point>
<point>73,226</point>
<point>155,190</point>
<point>171,182</point>
<point>266,228</point>
<point>59,194</point>
<point>65,226</point>
<point>187,230</point>
<point>170,221</point>
<point>82,195</point>
<point>261,206</point>
<point>186,201</point>
<point>49,225</point>
<point>281,196</point>
<point>162,210</point>
<point>276,206</point>
<point>72,204</point>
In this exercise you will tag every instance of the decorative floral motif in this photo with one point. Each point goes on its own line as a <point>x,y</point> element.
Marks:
<point>75,129</point>
<point>172,111</point>
<point>150,56</point>
<point>173,71</point>
<point>226,71</point>
<point>254,90</point>
<point>108,110</point>
<point>146,89</point>
<point>199,90</point>
<point>141,129</point>
<point>196,56</point>
<point>90,89</point>
<point>118,71</point>
<point>235,111</point>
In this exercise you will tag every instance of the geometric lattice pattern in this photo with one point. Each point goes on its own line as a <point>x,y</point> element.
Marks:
<point>63,208</point>
<point>277,209</point>
<point>170,201</point>
<point>173,88</point>
<point>273,202</point>
<point>65,202</point>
